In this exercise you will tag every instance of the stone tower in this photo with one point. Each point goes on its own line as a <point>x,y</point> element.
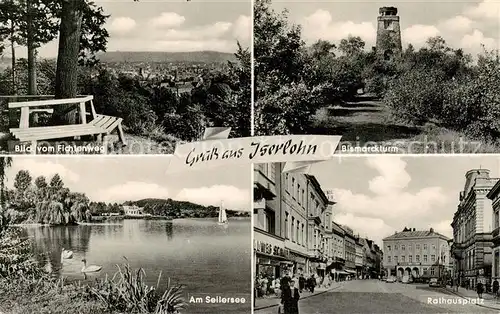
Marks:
<point>388,33</point>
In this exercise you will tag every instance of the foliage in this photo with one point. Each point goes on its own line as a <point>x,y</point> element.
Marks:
<point>51,203</point>
<point>127,291</point>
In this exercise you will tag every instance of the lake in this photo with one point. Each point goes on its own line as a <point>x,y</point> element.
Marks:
<point>208,259</point>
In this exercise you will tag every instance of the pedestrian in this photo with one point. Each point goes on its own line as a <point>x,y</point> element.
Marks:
<point>290,298</point>
<point>480,289</point>
<point>302,282</point>
<point>496,287</point>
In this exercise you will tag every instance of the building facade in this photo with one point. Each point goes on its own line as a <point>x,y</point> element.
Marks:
<point>133,210</point>
<point>388,33</point>
<point>349,251</point>
<point>358,260</point>
<point>472,229</point>
<point>414,253</point>
<point>494,196</point>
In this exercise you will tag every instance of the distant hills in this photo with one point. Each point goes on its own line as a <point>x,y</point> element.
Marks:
<point>152,56</point>
<point>182,209</point>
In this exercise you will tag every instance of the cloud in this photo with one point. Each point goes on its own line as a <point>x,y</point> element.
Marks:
<point>391,206</point>
<point>489,9</point>
<point>476,39</point>
<point>373,228</point>
<point>122,25</point>
<point>132,191</point>
<point>320,25</point>
<point>232,197</point>
<point>418,34</point>
<point>168,20</point>
<point>458,23</point>
<point>41,167</point>
<point>205,32</point>
<point>242,28</point>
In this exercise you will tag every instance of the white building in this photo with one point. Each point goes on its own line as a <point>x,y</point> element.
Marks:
<point>133,210</point>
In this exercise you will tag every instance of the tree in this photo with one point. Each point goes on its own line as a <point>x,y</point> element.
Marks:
<point>22,181</point>
<point>352,45</point>
<point>321,49</point>
<point>5,162</point>
<point>56,182</point>
<point>437,44</point>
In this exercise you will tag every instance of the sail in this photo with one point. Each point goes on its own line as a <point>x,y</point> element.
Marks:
<point>224,216</point>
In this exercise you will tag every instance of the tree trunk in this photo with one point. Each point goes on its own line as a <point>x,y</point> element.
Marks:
<point>31,49</point>
<point>13,52</point>
<point>67,57</point>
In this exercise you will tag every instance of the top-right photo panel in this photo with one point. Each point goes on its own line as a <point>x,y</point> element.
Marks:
<point>396,77</point>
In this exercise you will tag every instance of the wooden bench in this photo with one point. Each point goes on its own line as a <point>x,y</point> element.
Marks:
<point>100,125</point>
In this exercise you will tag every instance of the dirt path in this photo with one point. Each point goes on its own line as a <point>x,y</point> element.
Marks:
<point>363,120</point>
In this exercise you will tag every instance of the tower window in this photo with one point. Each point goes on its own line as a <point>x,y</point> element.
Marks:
<point>389,25</point>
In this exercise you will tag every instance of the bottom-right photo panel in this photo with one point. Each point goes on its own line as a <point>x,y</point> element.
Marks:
<point>378,234</point>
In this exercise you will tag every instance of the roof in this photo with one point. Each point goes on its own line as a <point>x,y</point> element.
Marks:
<point>415,234</point>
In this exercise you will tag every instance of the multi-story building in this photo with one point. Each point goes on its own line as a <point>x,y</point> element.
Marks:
<point>270,255</point>
<point>472,228</point>
<point>414,253</point>
<point>358,261</point>
<point>292,217</point>
<point>349,250</point>
<point>319,218</point>
<point>494,196</point>
<point>338,260</point>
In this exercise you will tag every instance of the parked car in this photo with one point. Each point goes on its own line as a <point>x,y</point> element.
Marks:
<point>434,282</point>
<point>391,279</point>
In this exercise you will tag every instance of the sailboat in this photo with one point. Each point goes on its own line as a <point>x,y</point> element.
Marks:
<point>222,215</point>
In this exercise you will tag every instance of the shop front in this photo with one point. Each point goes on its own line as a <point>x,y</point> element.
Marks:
<point>299,262</point>
<point>271,258</point>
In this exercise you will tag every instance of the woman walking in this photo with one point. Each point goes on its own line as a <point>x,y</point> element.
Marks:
<point>290,298</point>
<point>480,290</point>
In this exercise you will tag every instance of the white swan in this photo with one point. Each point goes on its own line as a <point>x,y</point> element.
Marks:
<point>66,254</point>
<point>90,268</point>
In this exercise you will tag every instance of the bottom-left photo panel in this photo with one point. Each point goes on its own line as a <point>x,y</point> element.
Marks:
<point>123,235</point>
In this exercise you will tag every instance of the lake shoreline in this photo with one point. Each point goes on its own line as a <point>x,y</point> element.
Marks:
<point>118,218</point>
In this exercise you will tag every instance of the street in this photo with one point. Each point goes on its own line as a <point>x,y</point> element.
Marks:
<point>374,296</point>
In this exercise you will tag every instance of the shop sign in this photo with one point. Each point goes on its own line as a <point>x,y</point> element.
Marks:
<point>269,249</point>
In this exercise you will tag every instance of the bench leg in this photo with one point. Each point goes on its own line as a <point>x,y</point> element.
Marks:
<point>121,135</point>
<point>33,147</point>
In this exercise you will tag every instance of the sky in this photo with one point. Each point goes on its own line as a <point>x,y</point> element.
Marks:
<point>118,179</point>
<point>462,24</point>
<point>172,25</point>
<point>379,195</point>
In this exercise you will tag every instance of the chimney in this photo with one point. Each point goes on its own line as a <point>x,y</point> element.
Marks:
<point>432,230</point>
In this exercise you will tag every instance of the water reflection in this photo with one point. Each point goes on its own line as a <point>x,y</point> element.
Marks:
<point>205,257</point>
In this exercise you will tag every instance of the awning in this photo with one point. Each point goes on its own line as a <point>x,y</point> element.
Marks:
<point>341,272</point>
<point>350,271</point>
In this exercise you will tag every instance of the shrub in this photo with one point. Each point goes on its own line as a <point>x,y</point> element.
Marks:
<point>127,291</point>
<point>416,97</point>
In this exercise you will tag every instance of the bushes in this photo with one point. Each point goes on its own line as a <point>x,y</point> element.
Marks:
<point>416,97</point>
<point>128,292</point>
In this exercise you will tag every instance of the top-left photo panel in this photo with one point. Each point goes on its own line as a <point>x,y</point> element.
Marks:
<point>122,77</point>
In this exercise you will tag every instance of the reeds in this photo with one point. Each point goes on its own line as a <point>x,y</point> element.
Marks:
<point>127,291</point>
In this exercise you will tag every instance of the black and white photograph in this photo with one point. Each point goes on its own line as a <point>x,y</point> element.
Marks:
<point>378,234</point>
<point>121,76</point>
<point>107,234</point>
<point>401,76</point>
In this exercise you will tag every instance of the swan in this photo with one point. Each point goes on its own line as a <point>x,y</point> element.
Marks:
<point>66,254</point>
<point>90,268</point>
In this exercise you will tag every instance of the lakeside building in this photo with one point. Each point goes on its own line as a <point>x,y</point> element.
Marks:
<point>472,229</point>
<point>416,253</point>
<point>133,210</point>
